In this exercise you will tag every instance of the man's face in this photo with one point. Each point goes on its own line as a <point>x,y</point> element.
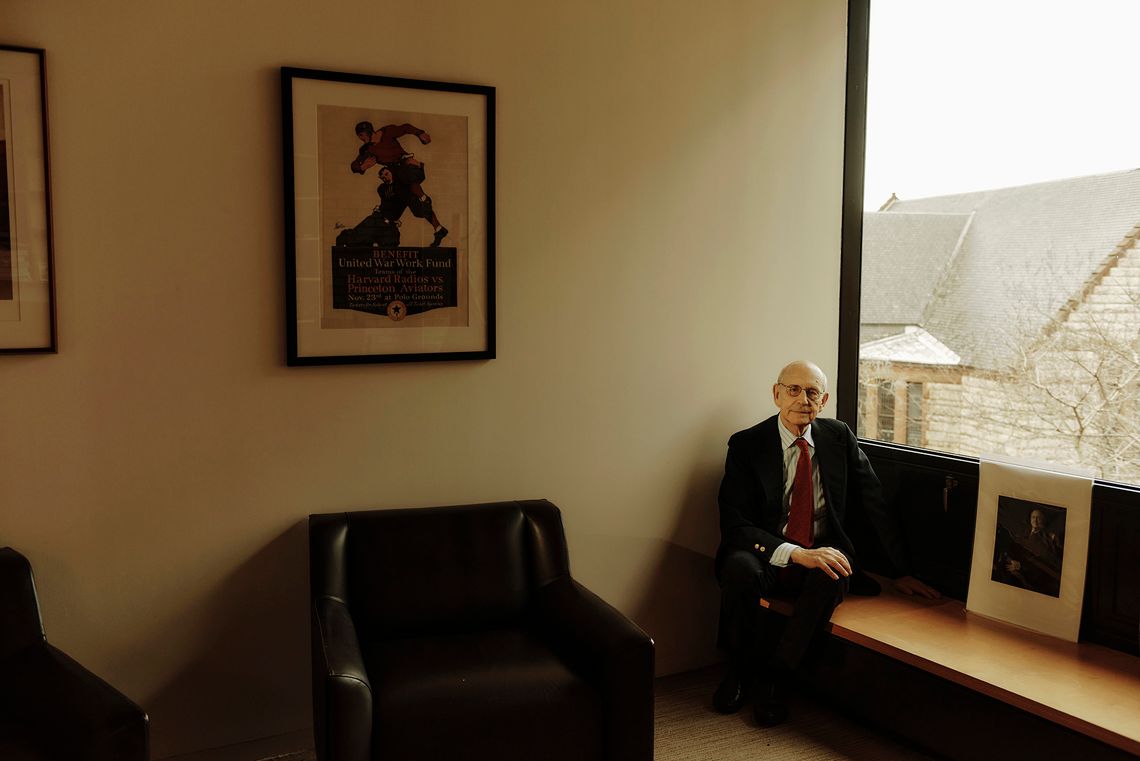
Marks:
<point>797,412</point>
<point>1036,521</point>
<point>385,175</point>
<point>365,137</point>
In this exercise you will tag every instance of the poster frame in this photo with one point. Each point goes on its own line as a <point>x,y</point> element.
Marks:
<point>28,319</point>
<point>309,341</point>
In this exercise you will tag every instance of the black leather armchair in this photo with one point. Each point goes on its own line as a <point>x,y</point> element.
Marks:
<point>51,708</point>
<point>458,633</point>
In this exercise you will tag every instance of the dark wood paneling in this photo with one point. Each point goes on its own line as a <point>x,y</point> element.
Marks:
<point>935,498</point>
<point>940,536</point>
<point>944,718</point>
<point>1111,613</point>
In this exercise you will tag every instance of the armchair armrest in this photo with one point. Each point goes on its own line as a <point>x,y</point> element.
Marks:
<point>600,643</point>
<point>19,608</point>
<point>342,694</point>
<point>71,712</point>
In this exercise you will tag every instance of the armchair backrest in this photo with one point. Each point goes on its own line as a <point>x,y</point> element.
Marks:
<point>19,608</point>
<point>421,571</point>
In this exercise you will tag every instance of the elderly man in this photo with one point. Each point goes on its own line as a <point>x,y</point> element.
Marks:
<point>1031,560</point>
<point>790,483</point>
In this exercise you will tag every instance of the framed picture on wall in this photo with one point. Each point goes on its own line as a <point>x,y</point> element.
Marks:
<point>389,219</point>
<point>27,291</point>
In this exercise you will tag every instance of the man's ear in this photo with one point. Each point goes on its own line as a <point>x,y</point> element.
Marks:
<point>776,394</point>
<point>823,400</point>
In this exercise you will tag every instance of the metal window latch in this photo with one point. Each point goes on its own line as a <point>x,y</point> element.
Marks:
<point>949,484</point>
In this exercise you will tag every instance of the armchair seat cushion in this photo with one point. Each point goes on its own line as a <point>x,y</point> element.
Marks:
<point>479,684</point>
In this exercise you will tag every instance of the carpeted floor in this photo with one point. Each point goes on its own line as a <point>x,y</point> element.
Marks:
<point>687,729</point>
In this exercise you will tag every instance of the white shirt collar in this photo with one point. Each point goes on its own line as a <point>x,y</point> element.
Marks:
<point>788,439</point>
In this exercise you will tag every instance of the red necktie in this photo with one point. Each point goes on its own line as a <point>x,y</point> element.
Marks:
<point>801,512</point>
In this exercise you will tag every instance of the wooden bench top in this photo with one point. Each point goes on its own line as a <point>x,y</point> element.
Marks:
<point>1091,689</point>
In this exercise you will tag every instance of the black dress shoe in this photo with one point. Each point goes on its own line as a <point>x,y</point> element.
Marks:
<point>730,695</point>
<point>770,707</point>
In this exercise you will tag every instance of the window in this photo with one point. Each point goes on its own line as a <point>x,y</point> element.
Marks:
<point>886,416</point>
<point>914,414</point>
<point>991,228</point>
<point>861,411</point>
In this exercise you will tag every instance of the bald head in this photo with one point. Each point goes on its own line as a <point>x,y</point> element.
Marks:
<point>801,367</point>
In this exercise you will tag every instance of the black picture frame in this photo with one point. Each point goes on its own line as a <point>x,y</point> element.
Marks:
<point>389,218</point>
<point>27,272</point>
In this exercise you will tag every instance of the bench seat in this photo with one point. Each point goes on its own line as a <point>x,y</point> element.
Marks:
<point>1087,688</point>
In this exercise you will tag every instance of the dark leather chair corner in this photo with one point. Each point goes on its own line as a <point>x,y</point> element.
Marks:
<point>51,708</point>
<point>458,633</point>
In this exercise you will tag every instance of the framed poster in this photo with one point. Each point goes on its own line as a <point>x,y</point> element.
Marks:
<point>27,288</point>
<point>389,209</point>
<point>1030,548</point>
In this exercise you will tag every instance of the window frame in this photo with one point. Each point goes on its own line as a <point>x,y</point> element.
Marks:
<point>1108,615</point>
<point>851,252</point>
<point>851,235</point>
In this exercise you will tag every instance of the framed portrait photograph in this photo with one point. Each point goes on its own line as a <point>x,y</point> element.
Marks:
<point>27,290</point>
<point>389,209</point>
<point>1030,547</point>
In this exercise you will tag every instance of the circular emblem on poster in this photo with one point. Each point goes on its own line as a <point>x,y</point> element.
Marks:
<point>397,310</point>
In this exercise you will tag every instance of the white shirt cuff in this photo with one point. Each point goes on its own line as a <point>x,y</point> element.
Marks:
<point>782,557</point>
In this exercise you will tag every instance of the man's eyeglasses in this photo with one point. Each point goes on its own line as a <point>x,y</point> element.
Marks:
<point>813,394</point>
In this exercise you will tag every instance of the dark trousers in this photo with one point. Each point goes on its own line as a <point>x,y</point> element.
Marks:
<point>744,579</point>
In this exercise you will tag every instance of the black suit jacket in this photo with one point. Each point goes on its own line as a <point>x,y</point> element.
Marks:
<point>751,494</point>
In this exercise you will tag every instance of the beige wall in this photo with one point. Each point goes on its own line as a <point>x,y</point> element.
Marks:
<point>668,184</point>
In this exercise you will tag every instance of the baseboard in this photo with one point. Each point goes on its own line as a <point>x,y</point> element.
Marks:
<point>286,747</point>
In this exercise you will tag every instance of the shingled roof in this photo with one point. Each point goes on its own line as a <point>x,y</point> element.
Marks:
<point>1025,251</point>
<point>910,253</point>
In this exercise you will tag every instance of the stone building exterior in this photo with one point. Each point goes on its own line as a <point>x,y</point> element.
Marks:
<point>1007,322</point>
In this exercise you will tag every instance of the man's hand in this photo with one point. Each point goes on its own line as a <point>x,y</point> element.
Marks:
<point>362,165</point>
<point>828,559</point>
<point>909,585</point>
<point>425,138</point>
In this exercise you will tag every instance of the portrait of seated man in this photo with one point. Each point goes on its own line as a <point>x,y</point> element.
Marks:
<point>1029,545</point>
